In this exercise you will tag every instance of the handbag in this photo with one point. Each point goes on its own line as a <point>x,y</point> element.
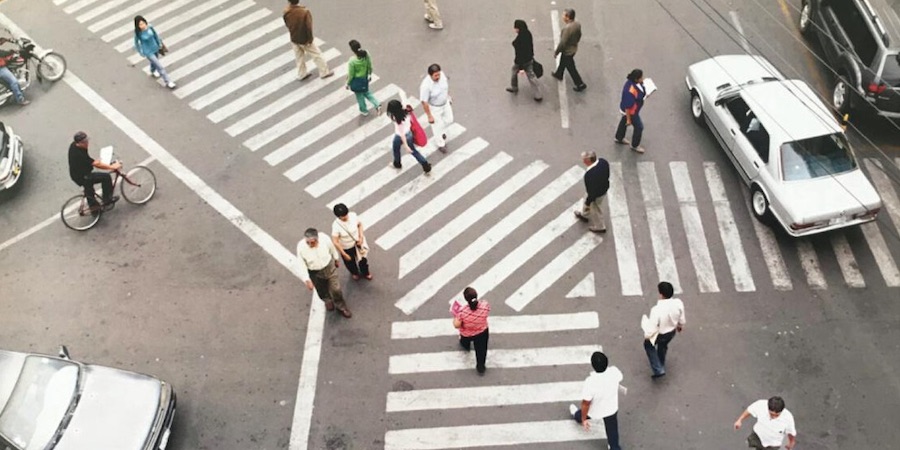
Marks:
<point>419,136</point>
<point>361,84</point>
<point>362,248</point>
<point>538,68</point>
<point>162,45</point>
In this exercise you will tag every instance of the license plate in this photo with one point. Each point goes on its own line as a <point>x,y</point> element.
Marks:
<point>837,220</point>
<point>165,439</point>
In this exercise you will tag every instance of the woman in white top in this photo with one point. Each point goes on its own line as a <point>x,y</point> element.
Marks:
<point>403,134</point>
<point>347,235</point>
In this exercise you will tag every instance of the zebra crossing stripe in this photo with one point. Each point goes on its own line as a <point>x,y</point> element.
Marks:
<point>271,63</point>
<point>810,263</point>
<point>538,323</point>
<point>327,127</point>
<point>778,272</point>
<point>184,17</point>
<point>489,435</point>
<point>59,2</point>
<point>626,256</point>
<point>693,227</point>
<point>122,15</point>
<point>656,220</point>
<point>502,358</point>
<point>728,231</point>
<point>99,10</point>
<point>256,94</point>
<point>128,26</point>
<point>882,255</point>
<point>440,202</point>
<point>554,270</point>
<point>846,261</point>
<point>483,396</point>
<point>217,55</point>
<point>417,185</point>
<point>78,5</point>
<point>420,294</point>
<point>885,190</point>
<point>432,244</point>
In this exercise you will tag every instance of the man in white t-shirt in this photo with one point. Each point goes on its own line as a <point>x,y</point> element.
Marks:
<point>665,319</point>
<point>773,422</point>
<point>434,92</point>
<point>600,399</point>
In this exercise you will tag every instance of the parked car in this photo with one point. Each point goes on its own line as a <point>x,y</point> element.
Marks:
<point>50,402</point>
<point>864,52</point>
<point>785,144</point>
<point>11,150</point>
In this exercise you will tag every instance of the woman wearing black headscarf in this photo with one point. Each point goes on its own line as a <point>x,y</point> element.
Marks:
<point>524,46</point>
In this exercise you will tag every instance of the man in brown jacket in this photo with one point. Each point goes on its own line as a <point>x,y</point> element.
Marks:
<point>299,22</point>
<point>568,46</point>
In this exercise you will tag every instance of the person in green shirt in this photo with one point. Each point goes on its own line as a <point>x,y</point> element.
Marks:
<point>359,73</point>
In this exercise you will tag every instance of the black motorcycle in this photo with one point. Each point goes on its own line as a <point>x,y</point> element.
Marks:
<point>51,66</point>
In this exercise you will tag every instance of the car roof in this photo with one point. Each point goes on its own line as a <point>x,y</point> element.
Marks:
<point>888,14</point>
<point>789,110</point>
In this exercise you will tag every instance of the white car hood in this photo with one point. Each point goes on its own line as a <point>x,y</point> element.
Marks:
<point>734,70</point>
<point>828,197</point>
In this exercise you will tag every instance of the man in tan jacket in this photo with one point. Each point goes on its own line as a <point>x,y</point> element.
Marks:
<point>299,22</point>
<point>568,46</point>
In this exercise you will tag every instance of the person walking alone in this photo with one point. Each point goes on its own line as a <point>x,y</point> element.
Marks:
<point>148,44</point>
<point>299,23</point>
<point>347,235</point>
<point>472,323</point>
<point>433,16</point>
<point>403,137</point>
<point>773,422</point>
<point>600,399</point>
<point>524,60</point>
<point>569,37</point>
<point>319,259</point>
<point>665,319</point>
<point>359,74</point>
<point>633,94</point>
<point>596,182</point>
<point>434,92</point>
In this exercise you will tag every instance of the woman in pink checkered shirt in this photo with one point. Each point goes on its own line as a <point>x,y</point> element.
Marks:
<point>472,323</point>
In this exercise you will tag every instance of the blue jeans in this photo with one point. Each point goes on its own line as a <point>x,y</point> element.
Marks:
<point>638,129</point>
<point>7,76</point>
<point>409,141</point>
<point>361,99</point>
<point>611,424</point>
<point>156,66</point>
<point>657,354</point>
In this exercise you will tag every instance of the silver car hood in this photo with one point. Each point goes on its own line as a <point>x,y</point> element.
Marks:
<point>830,196</point>
<point>116,411</point>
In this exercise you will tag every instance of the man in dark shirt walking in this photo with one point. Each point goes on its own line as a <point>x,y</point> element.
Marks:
<point>524,61</point>
<point>299,22</point>
<point>569,37</point>
<point>596,181</point>
<point>81,167</point>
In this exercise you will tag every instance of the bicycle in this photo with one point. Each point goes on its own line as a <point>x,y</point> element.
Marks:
<point>137,188</point>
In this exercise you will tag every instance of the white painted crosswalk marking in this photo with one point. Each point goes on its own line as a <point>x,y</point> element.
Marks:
<point>489,435</point>
<point>185,17</point>
<point>846,261</point>
<point>122,15</point>
<point>586,288</point>
<point>484,396</point>
<point>246,75</point>
<point>539,323</point>
<point>432,244</point>
<point>216,55</point>
<point>330,125</point>
<point>553,271</point>
<point>882,254</point>
<point>429,287</point>
<point>781,279</point>
<point>810,263</point>
<point>626,256</point>
<point>441,201</point>
<point>74,7</point>
<point>59,2</point>
<point>693,227</point>
<point>885,189</point>
<point>128,26</point>
<point>100,10</point>
<point>731,240</point>
<point>501,358</point>
<point>656,220</point>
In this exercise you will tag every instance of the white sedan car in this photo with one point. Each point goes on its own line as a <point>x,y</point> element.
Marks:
<point>785,144</point>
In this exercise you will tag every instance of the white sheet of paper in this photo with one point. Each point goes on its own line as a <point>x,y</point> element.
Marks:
<point>106,154</point>
<point>649,87</point>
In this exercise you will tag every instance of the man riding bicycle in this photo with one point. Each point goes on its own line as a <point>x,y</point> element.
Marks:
<point>81,167</point>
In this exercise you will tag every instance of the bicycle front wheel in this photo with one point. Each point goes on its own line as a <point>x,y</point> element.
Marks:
<point>138,185</point>
<point>77,215</point>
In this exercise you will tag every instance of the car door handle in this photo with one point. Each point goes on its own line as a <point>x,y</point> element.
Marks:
<point>756,164</point>
<point>732,131</point>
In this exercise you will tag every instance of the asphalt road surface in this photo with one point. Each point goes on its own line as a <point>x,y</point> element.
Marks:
<point>199,286</point>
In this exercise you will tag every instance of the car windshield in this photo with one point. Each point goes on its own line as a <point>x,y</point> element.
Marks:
<point>816,157</point>
<point>37,405</point>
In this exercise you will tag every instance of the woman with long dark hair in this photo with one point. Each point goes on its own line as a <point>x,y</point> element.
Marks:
<point>523,45</point>
<point>633,94</point>
<point>148,44</point>
<point>403,137</point>
<point>359,74</point>
<point>472,323</point>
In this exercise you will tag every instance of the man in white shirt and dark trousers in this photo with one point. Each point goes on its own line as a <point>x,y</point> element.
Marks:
<point>665,319</point>
<point>320,259</point>
<point>773,422</point>
<point>600,399</point>
<point>434,92</point>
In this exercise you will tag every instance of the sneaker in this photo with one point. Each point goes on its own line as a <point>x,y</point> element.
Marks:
<point>154,74</point>
<point>622,141</point>
<point>513,90</point>
<point>171,85</point>
<point>572,409</point>
<point>638,149</point>
<point>428,18</point>
<point>24,102</point>
<point>329,74</point>
<point>435,26</point>
<point>364,113</point>
<point>304,77</point>
<point>426,167</point>
<point>579,88</point>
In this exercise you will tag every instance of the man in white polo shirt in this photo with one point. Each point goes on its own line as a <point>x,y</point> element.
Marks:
<point>600,399</point>
<point>773,422</point>
<point>320,259</point>
<point>665,319</point>
<point>434,92</point>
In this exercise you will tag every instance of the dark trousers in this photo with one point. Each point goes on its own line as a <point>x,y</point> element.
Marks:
<point>481,346</point>
<point>106,183</point>
<point>657,353</point>
<point>638,129</point>
<point>754,442</point>
<point>358,268</point>
<point>567,62</point>
<point>328,286</point>
<point>611,423</point>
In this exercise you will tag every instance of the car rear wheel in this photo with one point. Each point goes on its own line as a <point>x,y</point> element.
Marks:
<point>805,19</point>
<point>697,108</point>
<point>840,96</point>
<point>759,204</point>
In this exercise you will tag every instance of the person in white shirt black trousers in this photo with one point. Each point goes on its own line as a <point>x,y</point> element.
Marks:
<point>600,399</point>
<point>666,318</point>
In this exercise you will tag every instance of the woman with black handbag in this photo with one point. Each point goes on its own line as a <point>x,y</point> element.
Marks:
<point>150,46</point>
<point>349,239</point>
<point>524,61</point>
<point>359,73</point>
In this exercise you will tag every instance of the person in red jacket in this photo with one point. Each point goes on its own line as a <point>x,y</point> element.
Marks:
<point>633,94</point>
<point>10,79</point>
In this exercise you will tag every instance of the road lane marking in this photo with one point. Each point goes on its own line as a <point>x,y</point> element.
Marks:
<point>623,237</point>
<point>122,15</point>
<point>585,288</point>
<point>99,10</point>
<point>778,273</point>
<point>184,17</point>
<point>737,26</point>
<point>561,85</point>
<point>693,227</point>
<point>489,435</point>
<point>484,396</point>
<point>127,27</point>
<point>216,55</point>
<point>539,323</point>
<point>503,358</point>
<point>810,263</point>
<point>656,220</point>
<point>268,65</point>
<point>74,7</point>
<point>882,254</point>
<point>728,231</point>
<point>885,189</point>
<point>846,260</point>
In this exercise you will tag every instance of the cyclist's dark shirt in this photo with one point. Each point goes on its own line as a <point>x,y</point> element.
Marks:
<point>80,163</point>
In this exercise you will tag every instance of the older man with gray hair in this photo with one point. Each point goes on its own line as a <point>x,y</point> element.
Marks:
<point>596,182</point>
<point>320,260</point>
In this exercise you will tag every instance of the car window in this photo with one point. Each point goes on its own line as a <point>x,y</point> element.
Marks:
<point>855,28</point>
<point>891,72</point>
<point>758,136</point>
<point>43,393</point>
<point>816,157</point>
<point>739,109</point>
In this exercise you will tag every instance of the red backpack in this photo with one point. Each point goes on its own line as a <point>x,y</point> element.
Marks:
<point>419,137</point>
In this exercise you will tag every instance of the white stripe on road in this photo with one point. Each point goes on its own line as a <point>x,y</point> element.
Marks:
<point>59,2</point>
<point>561,85</point>
<point>436,241</point>
<point>737,26</point>
<point>78,5</point>
<point>693,227</point>
<point>128,26</point>
<point>188,16</point>
<point>100,10</point>
<point>246,76</point>
<point>327,127</point>
<point>886,190</point>
<point>810,263</point>
<point>882,254</point>
<point>541,323</point>
<point>846,261</point>
<point>216,55</point>
<point>503,358</point>
<point>122,15</point>
<point>554,270</point>
<point>489,435</point>
<point>441,202</point>
<point>417,185</point>
<point>731,239</point>
<point>484,396</point>
<point>423,292</point>
<point>781,279</point>
<point>626,256</point>
<point>656,220</point>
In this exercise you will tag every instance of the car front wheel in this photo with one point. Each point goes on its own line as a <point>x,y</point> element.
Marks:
<point>840,97</point>
<point>805,19</point>
<point>760,205</point>
<point>697,108</point>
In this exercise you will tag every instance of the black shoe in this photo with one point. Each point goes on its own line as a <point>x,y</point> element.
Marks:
<point>111,200</point>
<point>398,166</point>
<point>539,100</point>
<point>657,375</point>
<point>426,167</point>
<point>481,370</point>
<point>558,77</point>
<point>513,90</point>
<point>580,88</point>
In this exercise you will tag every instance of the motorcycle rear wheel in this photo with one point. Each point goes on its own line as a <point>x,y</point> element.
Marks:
<point>52,66</point>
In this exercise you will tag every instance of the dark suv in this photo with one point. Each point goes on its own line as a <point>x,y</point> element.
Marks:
<point>861,43</point>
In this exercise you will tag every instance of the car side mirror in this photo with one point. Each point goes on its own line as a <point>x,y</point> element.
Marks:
<point>64,352</point>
